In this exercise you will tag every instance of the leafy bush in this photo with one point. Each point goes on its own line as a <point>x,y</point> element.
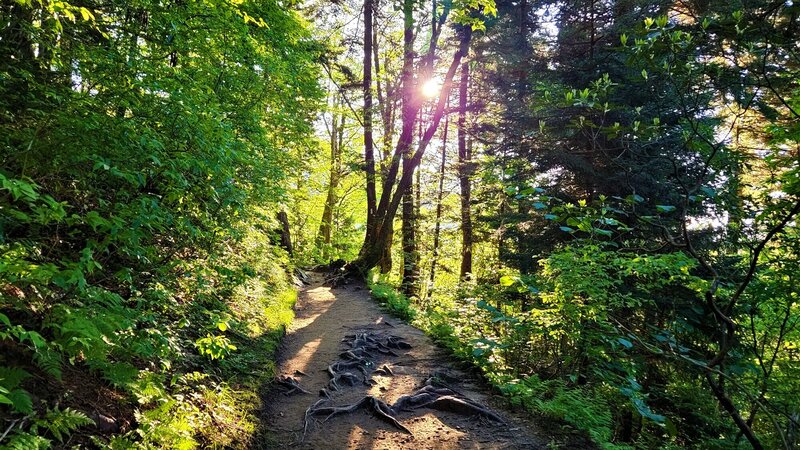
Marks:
<point>138,190</point>
<point>395,302</point>
<point>580,408</point>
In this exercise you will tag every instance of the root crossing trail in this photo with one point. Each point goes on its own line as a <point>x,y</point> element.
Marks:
<point>352,377</point>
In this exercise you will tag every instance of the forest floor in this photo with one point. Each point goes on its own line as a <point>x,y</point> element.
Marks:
<point>327,324</point>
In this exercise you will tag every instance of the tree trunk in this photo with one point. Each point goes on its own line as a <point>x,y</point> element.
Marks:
<point>411,199</point>
<point>286,237</point>
<point>730,408</point>
<point>377,236</point>
<point>324,236</point>
<point>410,256</point>
<point>409,113</point>
<point>464,172</point>
<point>386,104</point>
<point>438,224</point>
<point>369,156</point>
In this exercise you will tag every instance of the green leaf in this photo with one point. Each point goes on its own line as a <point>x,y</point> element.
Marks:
<point>86,14</point>
<point>21,401</point>
<point>625,342</point>
<point>665,208</point>
<point>635,198</point>
<point>506,280</point>
<point>603,232</point>
<point>646,412</point>
<point>11,377</point>
<point>567,229</point>
<point>709,191</point>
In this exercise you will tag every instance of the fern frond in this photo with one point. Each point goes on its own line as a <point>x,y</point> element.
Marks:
<point>11,377</point>
<point>49,361</point>
<point>27,441</point>
<point>61,423</point>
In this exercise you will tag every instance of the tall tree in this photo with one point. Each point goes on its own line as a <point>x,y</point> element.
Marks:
<point>387,103</point>
<point>369,154</point>
<point>464,172</point>
<point>410,283</point>
<point>336,134</point>
<point>410,109</point>
<point>437,228</point>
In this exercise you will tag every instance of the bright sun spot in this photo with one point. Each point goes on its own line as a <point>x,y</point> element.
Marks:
<point>431,88</point>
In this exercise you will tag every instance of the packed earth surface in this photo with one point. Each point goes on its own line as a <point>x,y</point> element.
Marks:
<point>323,371</point>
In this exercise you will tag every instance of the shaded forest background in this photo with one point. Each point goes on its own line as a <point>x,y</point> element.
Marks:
<point>595,202</point>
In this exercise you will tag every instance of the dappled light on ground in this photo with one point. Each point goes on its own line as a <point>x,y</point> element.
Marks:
<point>329,325</point>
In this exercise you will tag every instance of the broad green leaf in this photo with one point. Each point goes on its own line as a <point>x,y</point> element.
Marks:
<point>665,208</point>
<point>506,280</point>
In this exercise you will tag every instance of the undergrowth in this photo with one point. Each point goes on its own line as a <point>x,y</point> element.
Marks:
<point>582,409</point>
<point>170,373</point>
<point>394,302</point>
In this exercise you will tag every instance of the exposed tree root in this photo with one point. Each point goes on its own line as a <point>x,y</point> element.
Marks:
<point>444,399</point>
<point>291,384</point>
<point>365,350</point>
<point>341,379</point>
<point>338,273</point>
<point>462,406</point>
<point>308,413</point>
<point>371,404</point>
<point>430,397</point>
<point>397,343</point>
<point>385,370</point>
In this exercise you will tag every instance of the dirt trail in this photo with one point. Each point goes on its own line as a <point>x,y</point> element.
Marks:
<point>317,338</point>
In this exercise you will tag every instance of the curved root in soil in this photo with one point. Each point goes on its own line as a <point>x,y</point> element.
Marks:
<point>365,349</point>
<point>291,385</point>
<point>430,397</point>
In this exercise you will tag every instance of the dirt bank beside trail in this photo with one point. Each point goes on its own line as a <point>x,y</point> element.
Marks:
<point>332,326</point>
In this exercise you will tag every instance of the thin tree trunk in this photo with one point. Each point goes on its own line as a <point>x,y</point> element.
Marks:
<point>286,236</point>
<point>386,106</point>
<point>438,225</point>
<point>324,236</point>
<point>410,283</point>
<point>464,172</point>
<point>592,38</point>
<point>727,404</point>
<point>385,102</point>
<point>522,76</point>
<point>369,156</point>
<point>410,257</point>
<point>409,112</point>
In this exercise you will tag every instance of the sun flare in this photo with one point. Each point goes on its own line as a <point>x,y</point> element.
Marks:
<point>431,88</point>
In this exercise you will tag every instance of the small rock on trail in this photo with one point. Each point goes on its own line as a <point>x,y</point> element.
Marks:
<point>393,363</point>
